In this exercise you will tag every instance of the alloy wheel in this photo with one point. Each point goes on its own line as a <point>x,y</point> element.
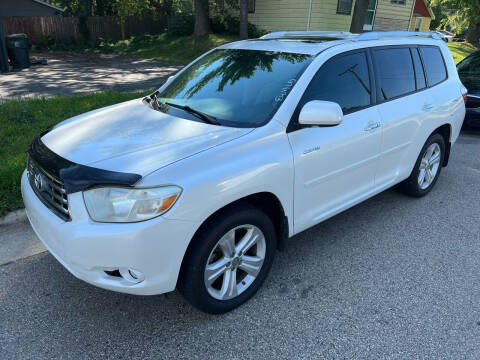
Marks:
<point>429,166</point>
<point>235,262</point>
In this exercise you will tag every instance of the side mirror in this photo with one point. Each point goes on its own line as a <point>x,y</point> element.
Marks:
<point>320,113</point>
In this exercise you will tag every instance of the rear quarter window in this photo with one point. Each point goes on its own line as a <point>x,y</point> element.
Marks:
<point>434,65</point>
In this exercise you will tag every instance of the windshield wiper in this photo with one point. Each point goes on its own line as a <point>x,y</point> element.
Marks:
<point>205,117</point>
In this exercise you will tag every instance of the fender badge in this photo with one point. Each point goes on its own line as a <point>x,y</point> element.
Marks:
<point>308,151</point>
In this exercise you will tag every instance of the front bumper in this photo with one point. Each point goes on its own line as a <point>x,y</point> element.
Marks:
<point>86,248</point>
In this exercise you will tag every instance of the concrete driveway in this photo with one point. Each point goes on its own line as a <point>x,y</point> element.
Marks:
<point>391,278</point>
<point>68,74</point>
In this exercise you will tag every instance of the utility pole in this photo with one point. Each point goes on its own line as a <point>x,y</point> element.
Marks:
<point>309,16</point>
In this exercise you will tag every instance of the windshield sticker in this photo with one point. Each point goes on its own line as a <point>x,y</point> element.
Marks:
<point>285,90</point>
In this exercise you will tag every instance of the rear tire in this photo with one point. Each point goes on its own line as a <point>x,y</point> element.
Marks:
<point>228,259</point>
<point>427,168</point>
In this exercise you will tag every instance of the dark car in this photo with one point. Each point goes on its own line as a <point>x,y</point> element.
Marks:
<point>469,72</point>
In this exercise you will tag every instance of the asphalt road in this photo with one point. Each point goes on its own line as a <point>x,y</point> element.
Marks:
<point>74,74</point>
<point>393,277</point>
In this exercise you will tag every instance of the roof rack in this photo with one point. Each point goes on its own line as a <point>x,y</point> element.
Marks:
<point>389,34</point>
<point>336,35</point>
<point>308,35</point>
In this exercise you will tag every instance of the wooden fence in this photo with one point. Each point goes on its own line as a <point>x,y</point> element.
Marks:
<point>67,29</point>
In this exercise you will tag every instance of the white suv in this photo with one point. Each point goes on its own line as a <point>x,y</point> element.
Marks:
<point>198,184</point>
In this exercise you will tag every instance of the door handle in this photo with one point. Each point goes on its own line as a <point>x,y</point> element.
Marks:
<point>372,126</point>
<point>427,107</point>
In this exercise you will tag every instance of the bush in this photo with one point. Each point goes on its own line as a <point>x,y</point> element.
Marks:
<point>227,24</point>
<point>181,25</point>
<point>49,43</point>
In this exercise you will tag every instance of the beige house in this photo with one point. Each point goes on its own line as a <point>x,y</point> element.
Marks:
<point>382,15</point>
<point>422,16</point>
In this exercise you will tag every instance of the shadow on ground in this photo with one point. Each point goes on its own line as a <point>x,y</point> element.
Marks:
<point>68,74</point>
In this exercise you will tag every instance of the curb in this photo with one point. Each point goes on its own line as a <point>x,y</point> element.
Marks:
<point>14,217</point>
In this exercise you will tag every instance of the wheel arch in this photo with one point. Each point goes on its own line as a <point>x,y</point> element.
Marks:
<point>266,201</point>
<point>446,131</point>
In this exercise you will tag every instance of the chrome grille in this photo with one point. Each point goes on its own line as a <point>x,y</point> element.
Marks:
<point>49,189</point>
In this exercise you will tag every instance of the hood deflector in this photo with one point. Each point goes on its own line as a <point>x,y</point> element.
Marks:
<point>76,177</point>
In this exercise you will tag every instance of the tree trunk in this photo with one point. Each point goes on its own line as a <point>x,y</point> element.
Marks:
<point>243,19</point>
<point>358,18</point>
<point>3,51</point>
<point>122,27</point>
<point>202,22</point>
<point>473,35</point>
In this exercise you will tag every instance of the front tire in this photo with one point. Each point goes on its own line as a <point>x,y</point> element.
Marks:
<point>228,260</point>
<point>427,168</point>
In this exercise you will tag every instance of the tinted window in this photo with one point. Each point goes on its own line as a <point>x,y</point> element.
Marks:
<point>343,80</point>
<point>434,65</point>
<point>395,72</point>
<point>238,87</point>
<point>470,65</point>
<point>419,74</point>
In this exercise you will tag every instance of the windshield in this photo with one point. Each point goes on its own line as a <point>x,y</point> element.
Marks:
<point>470,64</point>
<point>241,88</point>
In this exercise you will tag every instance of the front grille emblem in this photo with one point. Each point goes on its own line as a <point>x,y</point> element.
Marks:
<point>40,181</point>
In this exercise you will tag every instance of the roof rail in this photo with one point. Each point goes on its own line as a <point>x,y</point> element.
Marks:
<point>334,35</point>
<point>389,34</point>
<point>309,35</point>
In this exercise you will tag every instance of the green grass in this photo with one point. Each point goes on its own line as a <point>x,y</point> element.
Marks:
<point>173,49</point>
<point>22,120</point>
<point>460,50</point>
<point>164,47</point>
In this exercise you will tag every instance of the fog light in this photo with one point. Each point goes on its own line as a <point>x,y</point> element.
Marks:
<point>132,275</point>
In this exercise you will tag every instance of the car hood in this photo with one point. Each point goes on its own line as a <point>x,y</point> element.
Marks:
<point>132,137</point>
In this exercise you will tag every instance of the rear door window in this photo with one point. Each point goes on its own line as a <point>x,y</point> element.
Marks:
<point>434,64</point>
<point>344,80</point>
<point>419,74</point>
<point>395,72</point>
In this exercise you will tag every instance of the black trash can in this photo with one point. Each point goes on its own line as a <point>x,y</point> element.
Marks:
<point>18,50</point>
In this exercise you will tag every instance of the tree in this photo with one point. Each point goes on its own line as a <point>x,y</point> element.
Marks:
<point>440,16</point>
<point>463,14</point>
<point>202,21</point>
<point>358,17</point>
<point>243,19</point>
<point>125,8</point>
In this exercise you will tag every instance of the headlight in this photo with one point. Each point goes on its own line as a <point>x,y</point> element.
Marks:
<point>111,204</point>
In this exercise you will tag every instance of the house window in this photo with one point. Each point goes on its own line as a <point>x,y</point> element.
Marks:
<point>370,15</point>
<point>418,24</point>
<point>251,6</point>
<point>399,2</point>
<point>344,7</point>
